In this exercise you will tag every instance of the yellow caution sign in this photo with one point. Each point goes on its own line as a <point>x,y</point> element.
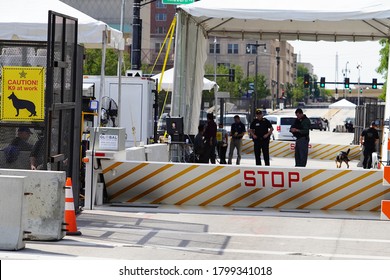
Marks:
<point>22,94</point>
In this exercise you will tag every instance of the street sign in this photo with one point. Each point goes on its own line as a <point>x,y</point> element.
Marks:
<point>177,2</point>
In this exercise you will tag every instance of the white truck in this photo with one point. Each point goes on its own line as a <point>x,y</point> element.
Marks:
<point>135,108</point>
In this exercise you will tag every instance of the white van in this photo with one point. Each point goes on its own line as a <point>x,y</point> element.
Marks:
<point>281,125</point>
<point>228,120</point>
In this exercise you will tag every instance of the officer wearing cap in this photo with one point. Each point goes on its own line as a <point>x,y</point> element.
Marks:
<point>261,130</point>
<point>20,141</point>
<point>369,140</point>
<point>301,129</point>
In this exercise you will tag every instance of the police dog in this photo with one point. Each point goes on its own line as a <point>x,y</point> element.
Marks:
<point>342,157</point>
<point>22,104</point>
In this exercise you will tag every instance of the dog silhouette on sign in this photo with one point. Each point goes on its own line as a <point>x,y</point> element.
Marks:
<point>22,104</point>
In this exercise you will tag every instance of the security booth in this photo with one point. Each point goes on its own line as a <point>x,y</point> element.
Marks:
<point>41,101</point>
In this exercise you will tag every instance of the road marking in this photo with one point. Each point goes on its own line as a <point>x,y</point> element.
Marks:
<point>223,251</point>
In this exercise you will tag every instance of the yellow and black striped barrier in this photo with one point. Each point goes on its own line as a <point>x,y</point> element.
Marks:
<point>244,186</point>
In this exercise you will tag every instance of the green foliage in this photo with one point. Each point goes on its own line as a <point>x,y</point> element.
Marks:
<point>234,88</point>
<point>298,92</point>
<point>261,88</point>
<point>383,65</point>
<point>93,62</point>
<point>301,71</point>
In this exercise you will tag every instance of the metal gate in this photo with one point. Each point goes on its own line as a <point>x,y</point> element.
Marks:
<point>63,97</point>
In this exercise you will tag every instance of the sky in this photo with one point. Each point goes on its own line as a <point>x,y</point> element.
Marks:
<point>322,55</point>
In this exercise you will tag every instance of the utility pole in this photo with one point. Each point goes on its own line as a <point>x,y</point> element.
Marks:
<point>137,35</point>
<point>254,97</point>
<point>359,66</point>
<point>277,76</point>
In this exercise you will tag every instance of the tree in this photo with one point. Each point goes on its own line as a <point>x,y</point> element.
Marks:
<point>93,62</point>
<point>234,88</point>
<point>383,65</point>
<point>298,91</point>
<point>261,88</point>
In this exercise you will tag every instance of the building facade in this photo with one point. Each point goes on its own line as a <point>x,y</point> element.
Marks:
<point>156,22</point>
<point>245,53</point>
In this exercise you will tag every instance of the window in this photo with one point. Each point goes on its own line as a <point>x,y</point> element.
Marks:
<point>217,48</point>
<point>251,49</point>
<point>161,30</point>
<point>157,47</point>
<point>232,48</point>
<point>287,121</point>
<point>160,5</point>
<point>161,17</point>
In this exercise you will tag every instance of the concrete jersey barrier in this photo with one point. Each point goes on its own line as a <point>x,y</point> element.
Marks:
<point>13,212</point>
<point>46,204</point>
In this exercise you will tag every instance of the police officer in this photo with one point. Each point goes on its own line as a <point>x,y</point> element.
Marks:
<point>300,129</point>
<point>369,139</point>
<point>237,131</point>
<point>261,130</point>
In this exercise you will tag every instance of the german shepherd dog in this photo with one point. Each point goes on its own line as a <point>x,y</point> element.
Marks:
<point>22,104</point>
<point>342,157</point>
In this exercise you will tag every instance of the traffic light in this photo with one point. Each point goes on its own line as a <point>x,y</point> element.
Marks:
<point>306,80</point>
<point>374,83</point>
<point>346,82</point>
<point>322,82</point>
<point>350,90</point>
<point>232,74</point>
<point>361,90</point>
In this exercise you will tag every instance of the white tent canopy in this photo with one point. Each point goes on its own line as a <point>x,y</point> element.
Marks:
<point>342,104</point>
<point>167,82</point>
<point>27,20</point>
<point>311,20</point>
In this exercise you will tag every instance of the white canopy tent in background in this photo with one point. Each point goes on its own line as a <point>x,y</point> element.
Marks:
<point>167,82</point>
<point>27,20</point>
<point>311,20</point>
<point>342,104</point>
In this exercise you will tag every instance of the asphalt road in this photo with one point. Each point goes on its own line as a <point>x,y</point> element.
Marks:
<point>190,233</point>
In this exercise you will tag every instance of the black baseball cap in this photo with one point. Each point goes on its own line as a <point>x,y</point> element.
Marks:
<point>24,129</point>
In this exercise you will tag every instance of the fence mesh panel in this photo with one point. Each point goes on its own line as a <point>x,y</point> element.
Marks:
<point>21,143</point>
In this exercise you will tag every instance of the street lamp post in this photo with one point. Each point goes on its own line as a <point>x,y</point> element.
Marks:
<point>273,84</point>
<point>256,73</point>
<point>247,68</point>
<point>277,76</point>
<point>215,80</point>
<point>359,66</point>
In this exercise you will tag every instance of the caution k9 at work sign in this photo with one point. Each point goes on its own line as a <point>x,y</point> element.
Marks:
<point>22,97</point>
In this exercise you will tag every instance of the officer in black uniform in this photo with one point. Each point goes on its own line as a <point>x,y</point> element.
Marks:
<point>261,130</point>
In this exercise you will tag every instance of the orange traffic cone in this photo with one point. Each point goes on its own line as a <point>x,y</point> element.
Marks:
<point>70,215</point>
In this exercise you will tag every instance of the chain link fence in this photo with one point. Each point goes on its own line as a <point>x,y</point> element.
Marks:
<point>22,144</point>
